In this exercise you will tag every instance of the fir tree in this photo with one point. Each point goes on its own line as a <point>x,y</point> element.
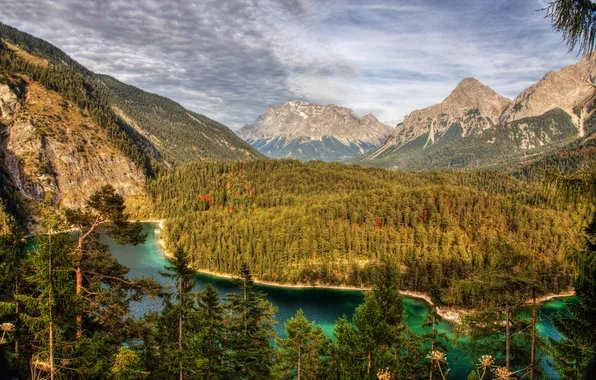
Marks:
<point>178,327</point>
<point>300,354</point>
<point>212,332</point>
<point>574,355</point>
<point>249,349</point>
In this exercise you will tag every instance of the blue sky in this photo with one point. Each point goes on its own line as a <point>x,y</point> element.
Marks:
<point>231,59</point>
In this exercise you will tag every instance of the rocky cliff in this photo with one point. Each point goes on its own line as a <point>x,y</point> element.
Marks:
<point>475,127</point>
<point>54,151</point>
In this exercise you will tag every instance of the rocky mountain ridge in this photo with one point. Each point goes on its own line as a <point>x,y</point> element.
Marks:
<point>476,127</point>
<point>306,131</point>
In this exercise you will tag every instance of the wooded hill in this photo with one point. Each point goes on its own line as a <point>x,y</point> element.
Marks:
<point>320,223</point>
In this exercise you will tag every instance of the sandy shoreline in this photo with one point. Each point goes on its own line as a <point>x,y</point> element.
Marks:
<point>450,314</point>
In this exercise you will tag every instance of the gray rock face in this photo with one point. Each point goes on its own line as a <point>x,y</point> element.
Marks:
<point>472,105</point>
<point>306,131</point>
<point>476,127</point>
<point>51,149</point>
<point>569,89</point>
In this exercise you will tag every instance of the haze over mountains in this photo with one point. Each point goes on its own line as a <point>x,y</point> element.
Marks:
<point>305,131</point>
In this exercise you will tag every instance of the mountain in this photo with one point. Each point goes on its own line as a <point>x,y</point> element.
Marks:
<point>65,131</point>
<point>305,131</point>
<point>178,134</point>
<point>475,127</point>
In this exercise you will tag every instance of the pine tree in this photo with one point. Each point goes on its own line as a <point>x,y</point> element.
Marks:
<point>101,285</point>
<point>575,20</point>
<point>13,254</point>
<point>212,332</point>
<point>178,326</point>
<point>574,355</point>
<point>300,354</point>
<point>127,366</point>
<point>249,349</point>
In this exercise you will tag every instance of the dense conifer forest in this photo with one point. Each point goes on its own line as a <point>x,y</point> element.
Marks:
<point>65,313</point>
<point>320,223</point>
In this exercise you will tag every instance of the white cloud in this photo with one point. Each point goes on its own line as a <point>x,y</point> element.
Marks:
<point>231,60</point>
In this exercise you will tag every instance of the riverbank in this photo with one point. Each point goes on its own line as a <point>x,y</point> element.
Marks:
<point>451,314</point>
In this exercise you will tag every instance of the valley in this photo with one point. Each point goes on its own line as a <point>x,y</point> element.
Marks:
<point>140,239</point>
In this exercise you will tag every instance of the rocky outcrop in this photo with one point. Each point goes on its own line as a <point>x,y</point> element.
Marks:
<point>570,89</point>
<point>306,131</point>
<point>53,150</point>
<point>8,102</point>
<point>472,107</point>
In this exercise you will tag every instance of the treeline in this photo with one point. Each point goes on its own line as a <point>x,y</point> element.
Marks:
<point>331,224</point>
<point>78,86</point>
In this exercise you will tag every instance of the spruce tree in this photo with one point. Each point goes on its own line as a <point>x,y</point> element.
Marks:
<point>249,349</point>
<point>300,354</point>
<point>212,332</point>
<point>341,362</point>
<point>574,355</point>
<point>13,254</point>
<point>178,327</point>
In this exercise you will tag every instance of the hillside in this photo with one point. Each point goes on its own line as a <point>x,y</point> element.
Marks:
<point>178,134</point>
<point>306,131</point>
<point>476,128</point>
<point>328,223</point>
<point>64,131</point>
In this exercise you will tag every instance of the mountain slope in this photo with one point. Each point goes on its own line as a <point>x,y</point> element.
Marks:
<point>178,134</point>
<point>305,131</point>
<point>485,130</point>
<point>64,131</point>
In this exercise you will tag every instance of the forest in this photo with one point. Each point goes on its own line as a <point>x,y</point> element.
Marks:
<point>65,313</point>
<point>321,223</point>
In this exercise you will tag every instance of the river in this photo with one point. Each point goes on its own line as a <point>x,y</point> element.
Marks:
<point>324,306</point>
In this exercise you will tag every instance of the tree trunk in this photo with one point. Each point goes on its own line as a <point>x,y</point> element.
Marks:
<point>79,290</point>
<point>533,358</point>
<point>79,283</point>
<point>51,289</point>
<point>16,309</point>
<point>180,326</point>
<point>507,338</point>
<point>299,362</point>
<point>369,364</point>
<point>432,347</point>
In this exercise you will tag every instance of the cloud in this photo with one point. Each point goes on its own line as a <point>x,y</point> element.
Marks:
<point>230,59</point>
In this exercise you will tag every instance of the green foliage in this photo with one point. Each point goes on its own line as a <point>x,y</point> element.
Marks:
<point>300,354</point>
<point>178,326</point>
<point>213,332</point>
<point>574,355</point>
<point>574,19</point>
<point>126,365</point>
<point>331,224</point>
<point>250,329</point>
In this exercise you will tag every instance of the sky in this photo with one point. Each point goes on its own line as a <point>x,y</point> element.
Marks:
<point>231,59</point>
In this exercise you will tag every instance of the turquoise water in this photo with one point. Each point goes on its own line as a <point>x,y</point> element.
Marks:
<point>324,306</point>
